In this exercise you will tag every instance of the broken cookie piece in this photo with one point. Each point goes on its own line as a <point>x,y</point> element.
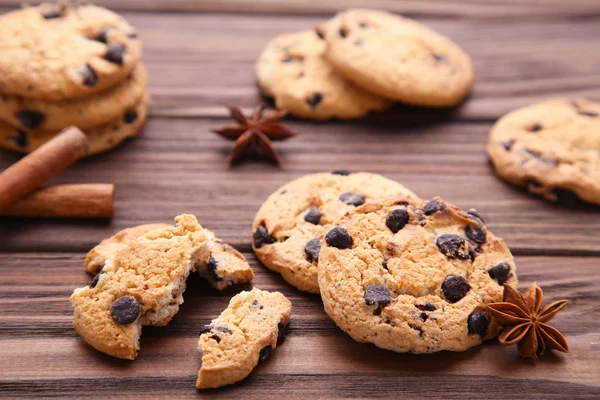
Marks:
<point>141,284</point>
<point>223,265</point>
<point>253,324</point>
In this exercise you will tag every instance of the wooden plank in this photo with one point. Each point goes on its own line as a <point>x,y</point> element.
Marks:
<point>42,353</point>
<point>179,166</point>
<point>457,8</point>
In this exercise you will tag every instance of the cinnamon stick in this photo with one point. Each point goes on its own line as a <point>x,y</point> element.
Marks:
<point>38,167</point>
<point>66,201</point>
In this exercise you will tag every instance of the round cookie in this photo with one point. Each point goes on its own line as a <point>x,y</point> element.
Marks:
<point>102,138</point>
<point>414,276</point>
<point>56,52</point>
<point>398,58</point>
<point>552,149</point>
<point>289,227</point>
<point>292,70</point>
<point>27,114</point>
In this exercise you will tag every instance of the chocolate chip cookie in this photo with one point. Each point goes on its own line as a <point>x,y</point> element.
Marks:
<point>85,113</point>
<point>414,276</point>
<point>101,138</point>
<point>223,265</point>
<point>292,70</point>
<point>246,333</point>
<point>288,229</point>
<point>142,284</point>
<point>397,58</point>
<point>552,149</point>
<point>57,51</point>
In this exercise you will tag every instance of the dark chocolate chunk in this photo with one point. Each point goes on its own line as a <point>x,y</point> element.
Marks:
<point>315,99</point>
<point>424,316</point>
<point>475,216</point>
<point>130,117</point>
<point>51,11</point>
<point>319,32</point>
<point>476,234</point>
<point>453,246</point>
<point>21,139</point>
<point>379,295</point>
<point>343,31</point>
<point>434,206</point>
<point>215,337</point>
<point>125,310</point>
<point>102,36</point>
<point>312,250</point>
<point>282,331</point>
<point>115,53</point>
<point>95,280</point>
<point>339,237</point>
<point>385,265</point>
<point>206,329</point>
<point>566,197</point>
<point>313,216</point>
<point>212,268</point>
<point>500,272</point>
<point>265,352</point>
<point>426,307</point>
<point>535,127</point>
<point>455,288</point>
<point>396,220</point>
<point>90,78</point>
<point>352,199</point>
<point>343,172</point>
<point>30,119</point>
<point>224,330</point>
<point>261,236</point>
<point>507,144</point>
<point>477,323</point>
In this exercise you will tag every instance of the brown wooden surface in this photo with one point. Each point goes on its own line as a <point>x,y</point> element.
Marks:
<point>199,61</point>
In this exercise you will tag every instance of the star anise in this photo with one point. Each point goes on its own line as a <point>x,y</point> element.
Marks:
<point>525,321</point>
<point>255,132</point>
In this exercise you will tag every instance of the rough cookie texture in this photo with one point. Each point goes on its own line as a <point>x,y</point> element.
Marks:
<point>290,226</point>
<point>223,265</point>
<point>398,58</point>
<point>101,138</point>
<point>85,113</point>
<point>142,284</point>
<point>552,149</point>
<point>253,324</point>
<point>421,289</point>
<point>292,70</point>
<point>57,52</point>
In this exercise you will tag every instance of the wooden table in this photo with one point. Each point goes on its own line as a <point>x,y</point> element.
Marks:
<point>201,55</point>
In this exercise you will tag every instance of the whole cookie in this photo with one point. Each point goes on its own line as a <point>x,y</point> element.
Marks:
<point>27,114</point>
<point>102,138</point>
<point>57,52</point>
<point>414,276</point>
<point>552,149</point>
<point>292,70</point>
<point>398,58</point>
<point>288,229</point>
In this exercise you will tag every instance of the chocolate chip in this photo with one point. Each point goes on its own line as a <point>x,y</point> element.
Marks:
<point>424,316</point>
<point>102,36</point>
<point>255,304</point>
<point>396,220</point>
<point>500,272</point>
<point>566,197</point>
<point>21,140</point>
<point>217,338</point>
<point>477,323</point>
<point>339,237</point>
<point>89,76</point>
<point>95,280</point>
<point>313,216</point>
<point>440,57</point>
<point>426,307</point>
<point>319,31</point>
<point>312,250</point>
<point>434,206</point>
<point>587,113</point>
<point>507,144</point>
<point>453,246</point>
<point>352,199</point>
<point>315,99</point>
<point>115,53</point>
<point>343,31</point>
<point>475,234</point>
<point>535,127</point>
<point>125,310</point>
<point>261,236</point>
<point>52,11</point>
<point>212,268</point>
<point>282,331</point>
<point>265,352</point>
<point>30,119</point>
<point>343,172</point>
<point>206,329</point>
<point>384,265</point>
<point>379,295</point>
<point>224,330</point>
<point>130,116</point>
<point>475,216</point>
<point>455,288</point>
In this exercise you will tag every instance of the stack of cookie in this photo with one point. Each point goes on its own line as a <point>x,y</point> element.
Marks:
<point>362,61</point>
<point>65,65</point>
